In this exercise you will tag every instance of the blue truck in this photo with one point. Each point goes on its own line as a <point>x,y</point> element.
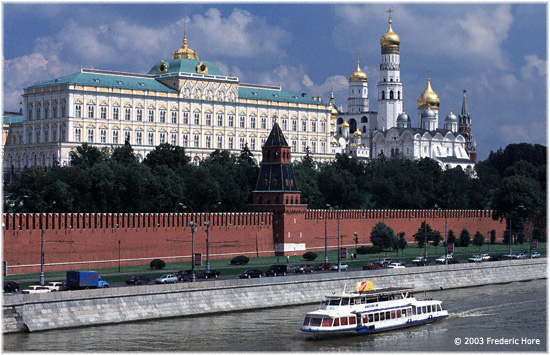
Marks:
<point>84,279</point>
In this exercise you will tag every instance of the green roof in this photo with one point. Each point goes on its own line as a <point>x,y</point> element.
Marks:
<point>9,119</point>
<point>274,95</point>
<point>110,80</point>
<point>186,66</point>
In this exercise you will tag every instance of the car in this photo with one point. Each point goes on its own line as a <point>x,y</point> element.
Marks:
<point>485,257</point>
<point>497,257</point>
<point>11,286</point>
<point>167,279</point>
<point>342,266</point>
<point>36,289</point>
<point>323,266</point>
<point>291,268</point>
<point>303,268</point>
<point>441,259</point>
<point>507,256</point>
<point>519,255</point>
<point>535,254</point>
<point>396,266</point>
<point>185,275</point>
<point>475,259</point>
<point>56,286</point>
<point>453,261</point>
<point>384,261</point>
<point>275,270</point>
<point>208,274</point>
<point>371,266</point>
<point>421,261</point>
<point>138,280</point>
<point>250,274</point>
<point>399,262</point>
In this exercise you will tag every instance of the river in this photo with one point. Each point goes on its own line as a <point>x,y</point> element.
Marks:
<point>502,318</point>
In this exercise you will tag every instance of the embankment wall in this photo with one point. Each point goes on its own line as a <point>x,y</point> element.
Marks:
<point>39,312</point>
<point>90,241</point>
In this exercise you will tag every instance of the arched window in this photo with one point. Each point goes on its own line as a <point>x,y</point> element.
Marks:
<point>383,95</point>
<point>391,94</point>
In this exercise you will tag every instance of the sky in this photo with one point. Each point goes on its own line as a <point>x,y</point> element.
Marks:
<point>495,51</point>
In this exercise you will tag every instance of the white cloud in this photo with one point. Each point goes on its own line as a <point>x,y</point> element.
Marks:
<point>534,68</point>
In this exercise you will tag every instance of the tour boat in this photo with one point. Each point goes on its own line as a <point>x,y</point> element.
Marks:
<point>368,311</point>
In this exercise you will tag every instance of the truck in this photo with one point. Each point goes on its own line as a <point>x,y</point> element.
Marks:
<point>84,279</point>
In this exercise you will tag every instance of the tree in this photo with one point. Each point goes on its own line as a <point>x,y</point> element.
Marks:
<point>478,240</point>
<point>382,236</point>
<point>436,238</point>
<point>425,232</point>
<point>451,238</point>
<point>464,239</point>
<point>493,237</point>
<point>402,242</point>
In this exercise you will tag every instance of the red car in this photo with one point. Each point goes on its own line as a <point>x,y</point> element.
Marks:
<point>323,266</point>
<point>371,266</point>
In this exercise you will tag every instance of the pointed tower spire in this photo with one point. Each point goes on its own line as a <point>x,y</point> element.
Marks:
<point>464,111</point>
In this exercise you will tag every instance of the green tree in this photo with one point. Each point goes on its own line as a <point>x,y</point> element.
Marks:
<point>425,232</point>
<point>382,236</point>
<point>306,177</point>
<point>402,242</point>
<point>478,240</point>
<point>464,239</point>
<point>493,237</point>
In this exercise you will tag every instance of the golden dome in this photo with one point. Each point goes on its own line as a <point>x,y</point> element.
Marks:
<point>358,74</point>
<point>185,52</point>
<point>428,99</point>
<point>357,134</point>
<point>345,125</point>
<point>332,123</point>
<point>390,38</point>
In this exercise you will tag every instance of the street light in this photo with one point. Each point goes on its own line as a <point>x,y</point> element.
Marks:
<point>520,207</point>
<point>193,230</point>
<point>207,224</point>
<point>356,239</point>
<point>42,256</point>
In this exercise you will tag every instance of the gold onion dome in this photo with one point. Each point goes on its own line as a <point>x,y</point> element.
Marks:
<point>358,74</point>
<point>357,134</point>
<point>345,125</point>
<point>390,38</point>
<point>428,99</point>
<point>185,52</point>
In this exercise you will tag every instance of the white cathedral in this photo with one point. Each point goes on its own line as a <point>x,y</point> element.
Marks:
<point>366,134</point>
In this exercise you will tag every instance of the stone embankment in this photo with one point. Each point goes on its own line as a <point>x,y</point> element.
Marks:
<point>39,312</point>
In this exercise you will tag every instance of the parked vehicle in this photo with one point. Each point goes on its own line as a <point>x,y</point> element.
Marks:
<point>396,266</point>
<point>185,275</point>
<point>519,255</point>
<point>303,268</point>
<point>535,254</point>
<point>11,286</point>
<point>323,266</point>
<point>399,262</point>
<point>421,261</point>
<point>453,261</point>
<point>291,268</point>
<point>475,259</point>
<point>36,289</point>
<point>56,286</point>
<point>138,280</point>
<point>384,261</point>
<point>497,257</point>
<point>250,274</point>
<point>84,279</point>
<point>208,274</point>
<point>167,279</point>
<point>485,257</point>
<point>340,266</point>
<point>441,259</point>
<point>275,270</point>
<point>371,266</point>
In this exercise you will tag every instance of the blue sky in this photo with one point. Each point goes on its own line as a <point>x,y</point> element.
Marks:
<point>496,51</point>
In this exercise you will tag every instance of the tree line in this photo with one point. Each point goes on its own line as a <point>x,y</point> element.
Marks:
<point>511,181</point>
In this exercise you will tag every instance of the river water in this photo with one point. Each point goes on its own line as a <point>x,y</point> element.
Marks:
<point>501,318</point>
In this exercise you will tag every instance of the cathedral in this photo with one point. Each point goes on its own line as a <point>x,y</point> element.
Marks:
<point>366,134</point>
<point>189,102</point>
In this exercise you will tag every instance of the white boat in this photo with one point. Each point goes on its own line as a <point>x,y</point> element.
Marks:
<point>369,311</point>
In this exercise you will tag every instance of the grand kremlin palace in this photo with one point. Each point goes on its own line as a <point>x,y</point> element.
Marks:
<point>189,102</point>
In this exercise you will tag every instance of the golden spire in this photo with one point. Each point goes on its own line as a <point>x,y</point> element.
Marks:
<point>185,52</point>
<point>358,74</point>
<point>428,98</point>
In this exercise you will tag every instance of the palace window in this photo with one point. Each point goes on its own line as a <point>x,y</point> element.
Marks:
<point>313,146</point>
<point>263,140</point>
<point>185,117</point>
<point>208,119</point>
<point>103,112</point>
<point>313,126</point>
<point>220,119</point>
<point>197,118</point>
<point>103,136</point>
<point>208,141</point>
<point>294,124</point>
<point>115,113</point>
<point>115,137</point>
<point>264,122</point>
<point>127,136</point>
<point>162,138</point>
<point>294,145</point>
<point>241,142</point>
<point>304,146</point>
<point>252,121</point>
<point>139,115</point>
<point>63,110</point>
<point>304,125</point>
<point>285,124</point>
<point>38,112</point>
<point>127,114</point>
<point>151,138</point>
<point>174,116</point>
<point>151,116</point>
<point>185,140</point>
<point>174,139</point>
<point>46,111</point>
<point>242,121</point>
<point>90,111</point>
<point>54,110</point>
<point>196,140</point>
<point>231,120</point>
<point>230,143</point>
<point>253,143</point>
<point>323,147</point>
<point>139,137</point>
<point>90,135</point>
<point>220,142</point>
<point>77,134</point>
<point>162,117</point>
<point>78,111</point>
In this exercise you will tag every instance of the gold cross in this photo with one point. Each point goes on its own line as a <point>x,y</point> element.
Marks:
<point>390,11</point>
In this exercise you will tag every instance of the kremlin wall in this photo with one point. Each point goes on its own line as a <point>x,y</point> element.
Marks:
<point>91,241</point>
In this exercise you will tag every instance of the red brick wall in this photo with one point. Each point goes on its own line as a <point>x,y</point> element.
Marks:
<point>84,241</point>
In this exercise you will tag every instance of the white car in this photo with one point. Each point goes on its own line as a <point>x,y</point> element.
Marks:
<point>56,286</point>
<point>485,257</point>
<point>167,279</point>
<point>342,266</point>
<point>535,254</point>
<point>396,266</point>
<point>441,259</point>
<point>36,289</point>
<point>476,259</point>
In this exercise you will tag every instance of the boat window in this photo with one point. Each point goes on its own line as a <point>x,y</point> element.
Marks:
<point>333,302</point>
<point>363,300</point>
<point>351,320</point>
<point>392,314</point>
<point>371,318</point>
<point>306,321</point>
<point>345,301</point>
<point>336,322</point>
<point>344,321</point>
<point>439,307</point>
<point>376,317</point>
<point>388,315</point>
<point>315,322</point>
<point>398,313</point>
<point>424,310</point>
<point>371,300</point>
<point>384,298</point>
<point>327,322</point>
<point>418,310</point>
<point>382,316</point>
<point>408,312</point>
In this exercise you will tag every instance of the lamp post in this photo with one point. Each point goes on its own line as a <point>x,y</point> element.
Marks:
<point>326,244</point>
<point>42,257</point>
<point>207,224</point>
<point>119,256</point>
<point>193,229</point>
<point>356,239</point>
<point>338,219</point>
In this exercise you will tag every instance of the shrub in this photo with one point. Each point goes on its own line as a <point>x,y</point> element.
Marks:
<point>369,250</point>
<point>157,264</point>
<point>310,256</point>
<point>240,260</point>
